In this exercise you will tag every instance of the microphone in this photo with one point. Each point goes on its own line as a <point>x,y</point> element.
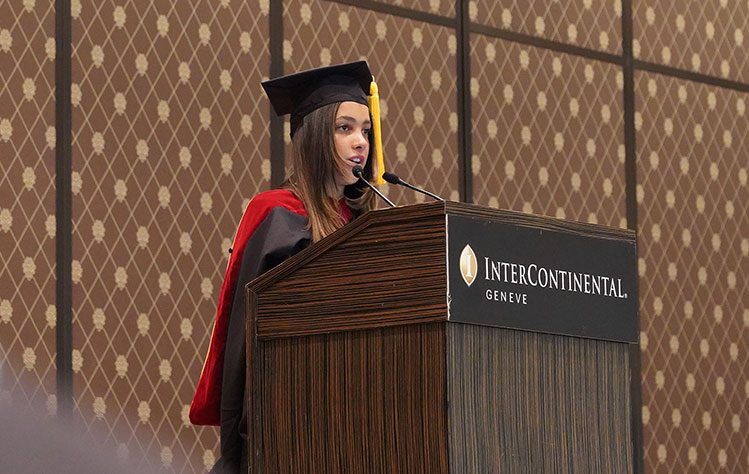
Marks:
<point>393,178</point>
<point>359,173</point>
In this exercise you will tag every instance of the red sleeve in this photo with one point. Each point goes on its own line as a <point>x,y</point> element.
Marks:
<point>204,409</point>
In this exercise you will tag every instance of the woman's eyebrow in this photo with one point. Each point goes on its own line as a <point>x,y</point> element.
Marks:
<point>352,119</point>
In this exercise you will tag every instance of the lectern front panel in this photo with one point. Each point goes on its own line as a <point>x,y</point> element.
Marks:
<point>363,360</point>
<point>355,402</point>
<point>524,402</point>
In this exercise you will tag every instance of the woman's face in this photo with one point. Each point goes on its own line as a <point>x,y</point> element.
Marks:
<point>351,137</point>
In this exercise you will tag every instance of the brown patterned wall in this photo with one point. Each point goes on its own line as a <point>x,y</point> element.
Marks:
<point>27,203</point>
<point>547,132</point>
<point>693,208</point>
<point>169,142</point>
<point>709,37</point>
<point>587,23</point>
<point>414,64</point>
<point>437,7</point>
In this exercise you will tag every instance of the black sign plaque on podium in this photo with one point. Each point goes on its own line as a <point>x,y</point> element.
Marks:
<point>550,280</point>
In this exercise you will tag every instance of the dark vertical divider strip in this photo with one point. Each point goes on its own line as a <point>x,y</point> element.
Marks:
<point>64,208</point>
<point>465,152</point>
<point>630,166</point>
<point>630,177</point>
<point>275,46</point>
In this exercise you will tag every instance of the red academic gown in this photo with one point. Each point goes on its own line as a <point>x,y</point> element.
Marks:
<point>272,229</point>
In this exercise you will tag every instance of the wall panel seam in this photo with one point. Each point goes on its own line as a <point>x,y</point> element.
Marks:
<point>630,167</point>
<point>63,208</point>
<point>465,120</point>
<point>402,12</point>
<point>630,176</point>
<point>567,48</point>
<point>690,76</point>
<point>275,50</point>
<point>544,43</point>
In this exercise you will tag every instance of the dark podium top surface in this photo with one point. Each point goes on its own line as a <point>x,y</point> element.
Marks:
<point>447,261</point>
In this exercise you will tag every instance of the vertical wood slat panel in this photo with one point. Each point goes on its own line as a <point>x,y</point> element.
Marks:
<point>354,402</point>
<point>542,403</point>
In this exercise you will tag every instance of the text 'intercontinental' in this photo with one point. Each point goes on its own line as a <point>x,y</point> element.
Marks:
<point>553,278</point>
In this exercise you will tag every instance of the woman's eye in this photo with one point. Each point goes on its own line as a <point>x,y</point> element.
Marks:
<point>343,128</point>
<point>367,131</point>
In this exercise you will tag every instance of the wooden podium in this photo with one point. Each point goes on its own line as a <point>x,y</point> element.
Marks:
<point>356,363</point>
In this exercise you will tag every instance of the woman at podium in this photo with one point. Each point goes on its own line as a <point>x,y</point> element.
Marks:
<point>331,134</point>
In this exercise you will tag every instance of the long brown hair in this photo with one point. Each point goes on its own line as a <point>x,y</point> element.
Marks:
<point>315,168</point>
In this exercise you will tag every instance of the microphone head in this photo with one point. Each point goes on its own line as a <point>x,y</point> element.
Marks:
<point>357,171</point>
<point>391,178</point>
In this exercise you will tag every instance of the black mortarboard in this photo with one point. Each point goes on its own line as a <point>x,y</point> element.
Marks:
<point>300,93</point>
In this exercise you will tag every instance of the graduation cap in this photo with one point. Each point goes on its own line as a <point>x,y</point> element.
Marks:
<point>300,93</point>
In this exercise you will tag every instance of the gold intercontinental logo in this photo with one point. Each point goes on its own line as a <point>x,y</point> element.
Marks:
<point>468,265</point>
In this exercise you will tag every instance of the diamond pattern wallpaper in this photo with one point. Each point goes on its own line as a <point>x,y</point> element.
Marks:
<point>693,208</point>
<point>547,132</point>
<point>585,23</point>
<point>707,37</point>
<point>171,140</point>
<point>414,65</point>
<point>437,7</point>
<point>27,204</point>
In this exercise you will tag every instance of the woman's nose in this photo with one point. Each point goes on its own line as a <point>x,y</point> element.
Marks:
<point>360,141</point>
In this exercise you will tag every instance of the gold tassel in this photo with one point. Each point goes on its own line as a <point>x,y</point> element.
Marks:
<point>374,109</point>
